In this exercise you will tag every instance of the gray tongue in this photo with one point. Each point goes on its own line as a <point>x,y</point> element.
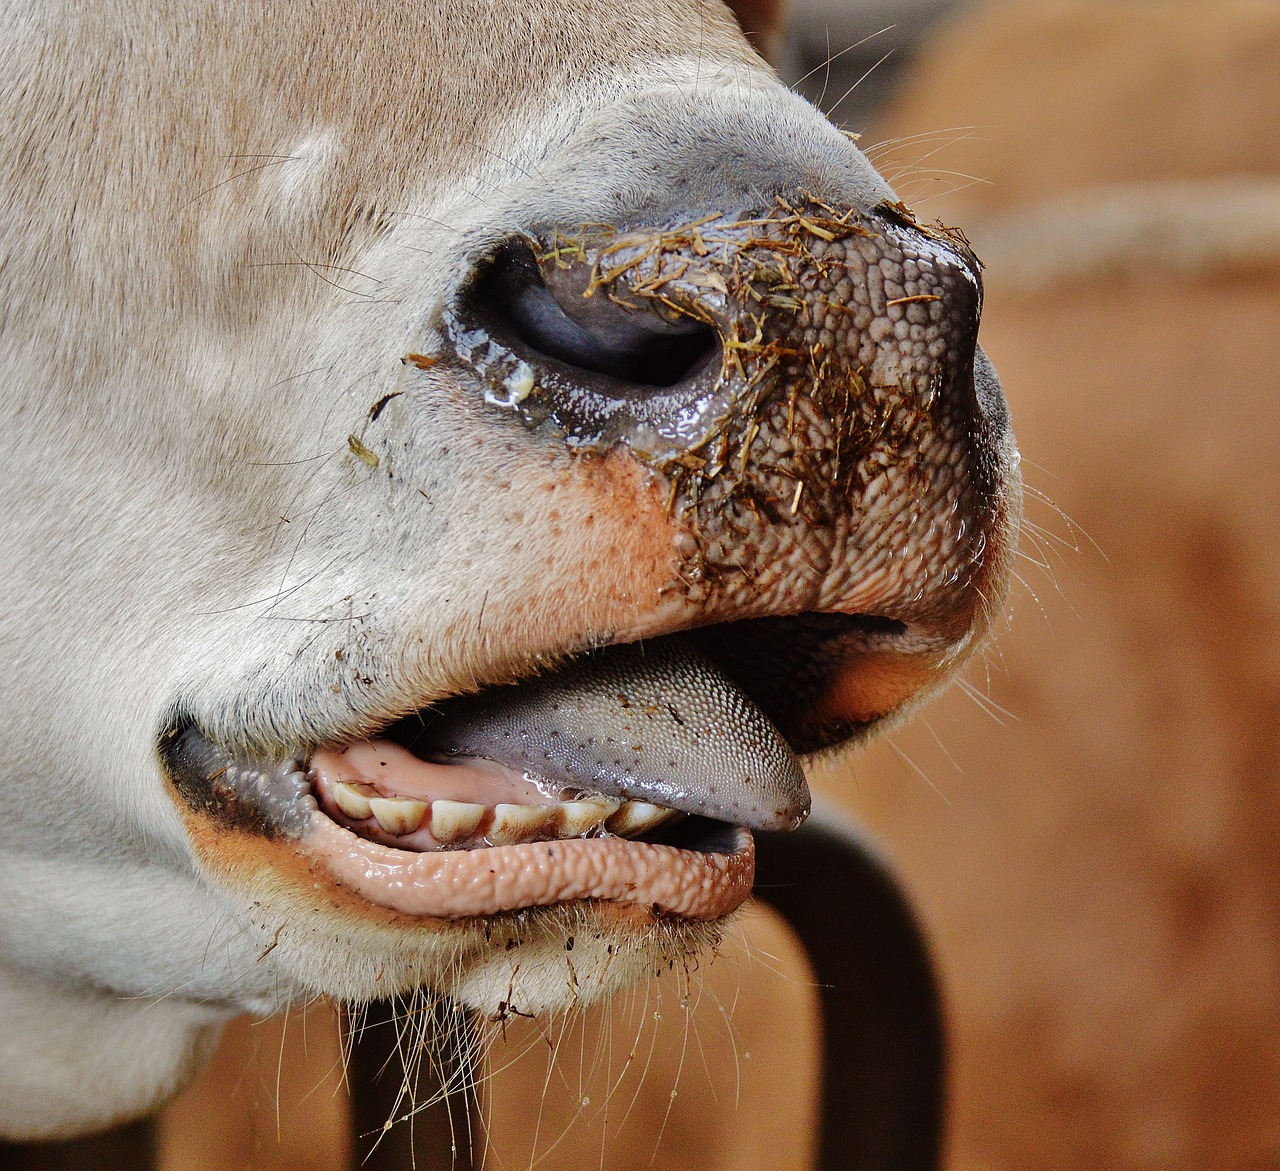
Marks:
<point>645,722</point>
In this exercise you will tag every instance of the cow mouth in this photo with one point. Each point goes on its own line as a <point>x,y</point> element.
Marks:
<point>632,774</point>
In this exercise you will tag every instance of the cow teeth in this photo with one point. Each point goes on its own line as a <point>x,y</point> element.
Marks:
<point>581,817</point>
<point>353,799</point>
<point>517,823</point>
<point>637,817</point>
<point>455,821</point>
<point>397,815</point>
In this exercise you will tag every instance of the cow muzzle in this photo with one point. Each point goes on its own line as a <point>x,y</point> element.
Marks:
<point>806,381</point>
<point>800,386</point>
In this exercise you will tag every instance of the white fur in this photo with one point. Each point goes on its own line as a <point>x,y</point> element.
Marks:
<point>211,272</point>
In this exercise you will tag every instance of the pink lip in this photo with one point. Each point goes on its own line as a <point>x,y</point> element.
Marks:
<point>458,884</point>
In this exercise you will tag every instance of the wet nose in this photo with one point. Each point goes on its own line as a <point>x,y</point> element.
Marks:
<point>653,338</point>
<point>805,376</point>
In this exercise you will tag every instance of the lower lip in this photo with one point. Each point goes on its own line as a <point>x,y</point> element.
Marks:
<point>460,884</point>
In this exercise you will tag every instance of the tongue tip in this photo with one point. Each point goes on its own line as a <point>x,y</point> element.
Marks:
<point>790,789</point>
<point>786,819</point>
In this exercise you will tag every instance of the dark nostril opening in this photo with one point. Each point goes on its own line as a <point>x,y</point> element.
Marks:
<point>634,345</point>
<point>877,625</point>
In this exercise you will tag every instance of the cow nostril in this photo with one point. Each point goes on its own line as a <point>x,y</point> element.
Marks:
<point>585,329</point>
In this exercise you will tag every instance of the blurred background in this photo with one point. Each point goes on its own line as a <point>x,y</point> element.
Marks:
<point>849,57</point>
<point>1089,825</point>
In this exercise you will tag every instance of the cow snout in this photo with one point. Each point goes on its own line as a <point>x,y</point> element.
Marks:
<point>636,337</point>
<point>806,380</point>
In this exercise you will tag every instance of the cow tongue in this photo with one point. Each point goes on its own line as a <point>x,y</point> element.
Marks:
<point>652,722</point>
<point>654,726</point>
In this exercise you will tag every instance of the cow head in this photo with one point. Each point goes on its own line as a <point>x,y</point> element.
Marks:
<point>460,458</point>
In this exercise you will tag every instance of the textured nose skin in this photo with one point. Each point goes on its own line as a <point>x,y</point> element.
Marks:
<point>796,299</point>
<point>826,449</point>
<point>800,300</point>
<point>852,448</point>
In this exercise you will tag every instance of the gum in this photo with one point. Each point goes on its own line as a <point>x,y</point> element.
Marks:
<point>395,772</point>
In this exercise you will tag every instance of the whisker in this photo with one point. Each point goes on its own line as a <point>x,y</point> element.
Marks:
<point>272,161</point>
<point>911,764</point>
<point>826,63</point>
<point>857,83</point>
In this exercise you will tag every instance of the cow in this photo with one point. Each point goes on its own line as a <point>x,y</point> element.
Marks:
<point>460,460</point>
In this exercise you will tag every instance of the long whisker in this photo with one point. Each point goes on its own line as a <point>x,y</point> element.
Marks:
<point>830,57</point>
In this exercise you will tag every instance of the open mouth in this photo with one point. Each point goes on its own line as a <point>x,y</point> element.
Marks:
<point>633,774</point>
<point>807,467</point>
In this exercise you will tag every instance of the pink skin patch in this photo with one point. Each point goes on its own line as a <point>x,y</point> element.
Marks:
<point>414,874</point>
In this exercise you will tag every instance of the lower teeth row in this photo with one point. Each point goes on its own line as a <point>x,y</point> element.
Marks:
<point>452,822</point>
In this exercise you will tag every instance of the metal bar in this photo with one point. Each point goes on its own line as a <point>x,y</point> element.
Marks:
<point>883,1038</point>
